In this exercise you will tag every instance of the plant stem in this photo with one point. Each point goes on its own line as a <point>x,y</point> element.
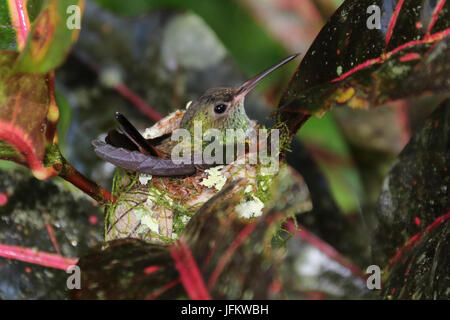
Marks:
<point>91,188</point>
<point>36,257</point>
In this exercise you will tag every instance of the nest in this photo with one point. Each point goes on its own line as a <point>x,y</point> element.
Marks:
<point>156,209</point>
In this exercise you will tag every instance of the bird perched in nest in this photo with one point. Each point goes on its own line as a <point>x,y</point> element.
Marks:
<point>218,108</point>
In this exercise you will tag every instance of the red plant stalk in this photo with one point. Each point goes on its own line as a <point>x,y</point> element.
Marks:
<point>89,187</point>
<point>51,234</point>
<point>20,21</point>
<point>437,11</point>
<point>138,102</point>
<point>229,253</point>
<point>36,257</point>
<point>393,21</point>
<point>190,274</point>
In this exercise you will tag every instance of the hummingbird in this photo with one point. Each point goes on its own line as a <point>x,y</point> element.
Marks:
<point>217,108</point>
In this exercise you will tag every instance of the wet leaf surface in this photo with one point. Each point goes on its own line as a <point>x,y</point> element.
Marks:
<point>128,269</point>
<point>413,211</point>
<point>423,272</point>
<point>416,190</point>
<point>34,212</point>
<point>350,64</point>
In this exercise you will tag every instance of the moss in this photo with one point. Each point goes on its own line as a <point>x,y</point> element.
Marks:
<point>263,186</point>
<point>282,236</point>
<point>129,194</point>
<point>280,185</point>
<point>119,191</point>
<point>52,155</point>
<point>285,139</point>
<point>180,211</point>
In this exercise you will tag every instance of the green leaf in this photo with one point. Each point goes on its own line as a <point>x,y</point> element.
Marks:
<point>34,7</point>
<point>8,39</point>
<point>415,192</point>
<point>50,38</point>
<point>7,32</point>
<point>28,111</point>
<point>24,104</point>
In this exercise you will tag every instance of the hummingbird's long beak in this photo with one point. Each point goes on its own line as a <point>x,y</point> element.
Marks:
<point>250,84</point>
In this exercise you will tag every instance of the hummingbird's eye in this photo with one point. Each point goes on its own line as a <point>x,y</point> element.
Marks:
<point>220,108</point>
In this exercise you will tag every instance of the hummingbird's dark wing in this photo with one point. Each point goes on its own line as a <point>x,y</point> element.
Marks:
<point>134,137</point>
<point>131,151</point>
<point>119,140</point>
<point>139,162</point>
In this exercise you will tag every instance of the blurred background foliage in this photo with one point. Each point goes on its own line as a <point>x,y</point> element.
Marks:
<point>168,52</point>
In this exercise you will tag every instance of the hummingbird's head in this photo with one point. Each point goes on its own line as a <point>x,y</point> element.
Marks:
<point>218,108</point>
<point>223,108</point>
